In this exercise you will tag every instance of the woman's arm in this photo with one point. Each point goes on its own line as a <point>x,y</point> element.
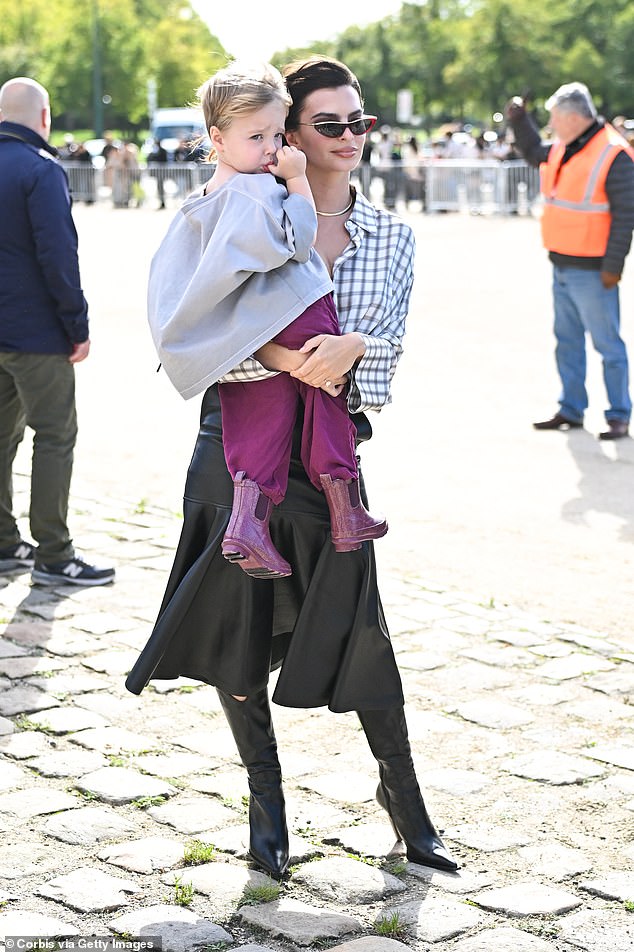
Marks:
<point>276,357</point>
<point>329,357</point>
<point>373,295</point>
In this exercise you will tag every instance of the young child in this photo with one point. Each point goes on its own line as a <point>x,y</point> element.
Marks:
<point>237,270</point>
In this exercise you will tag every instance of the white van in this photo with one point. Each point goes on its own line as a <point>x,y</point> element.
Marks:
<point>172,126</point>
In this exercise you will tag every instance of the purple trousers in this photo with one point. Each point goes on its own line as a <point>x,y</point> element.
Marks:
<point>258,418</point>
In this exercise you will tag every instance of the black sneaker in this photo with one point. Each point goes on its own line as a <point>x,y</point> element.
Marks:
<point>73,572</point>
<point>21,555</point>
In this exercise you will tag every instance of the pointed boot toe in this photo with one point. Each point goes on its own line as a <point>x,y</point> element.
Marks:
<point>436,856</point>
<point>273,863</point>
<point>268,845</point>
<point>424,846</point>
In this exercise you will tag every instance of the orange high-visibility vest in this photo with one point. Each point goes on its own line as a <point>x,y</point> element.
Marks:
<point>576,219</point>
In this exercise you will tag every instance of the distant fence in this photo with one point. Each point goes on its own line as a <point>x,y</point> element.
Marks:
<point>152,184</point>
<point>481,186</point>
<point>478,186</point>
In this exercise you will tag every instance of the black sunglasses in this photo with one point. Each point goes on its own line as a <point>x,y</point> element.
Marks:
<point>334,130</point>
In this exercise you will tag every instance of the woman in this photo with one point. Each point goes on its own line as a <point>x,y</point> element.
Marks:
<point>324,625</point>
<point>219,290</point>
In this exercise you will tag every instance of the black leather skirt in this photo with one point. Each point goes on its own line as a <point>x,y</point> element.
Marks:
<point>323,625</point>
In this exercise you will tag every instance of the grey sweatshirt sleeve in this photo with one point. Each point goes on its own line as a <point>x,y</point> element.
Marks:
<point>619,186</point>
<point>300,225</point>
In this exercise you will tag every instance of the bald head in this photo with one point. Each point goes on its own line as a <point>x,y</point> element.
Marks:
<point>24,101</point>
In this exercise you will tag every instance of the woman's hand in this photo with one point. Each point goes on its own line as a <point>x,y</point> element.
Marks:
<point>329,359</point>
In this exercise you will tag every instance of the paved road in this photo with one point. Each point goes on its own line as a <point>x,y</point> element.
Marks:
<point>521,733</point>
<point>502,544</point>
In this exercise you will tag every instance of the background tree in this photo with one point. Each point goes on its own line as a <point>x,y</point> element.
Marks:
<point>465,58</point>
<point>503,48</point>
<point>53,41</point>
<point>182,54</point>
<point>458,57</point>
<point>619,79</point>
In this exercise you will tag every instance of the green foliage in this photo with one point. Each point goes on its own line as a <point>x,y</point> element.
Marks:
<point>397,866</point>
<point>67,46</point>
<point>25,723</point>
<point>180,61</point>
<point>253,895</point>
<point>197,852</point>
<point>466,58</point>
<point>144,803</point>
<point>460,58</point>
<point>391,926</point>
<point>183,892</point>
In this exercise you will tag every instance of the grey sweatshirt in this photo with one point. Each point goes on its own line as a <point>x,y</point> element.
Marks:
<point>235,267</point>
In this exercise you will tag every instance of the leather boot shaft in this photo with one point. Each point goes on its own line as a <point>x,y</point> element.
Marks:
<point>252,728</point>
<point>399,793</point>
<point>350,522</point>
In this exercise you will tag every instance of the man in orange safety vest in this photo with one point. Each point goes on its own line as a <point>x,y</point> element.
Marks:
<point>587,184</point>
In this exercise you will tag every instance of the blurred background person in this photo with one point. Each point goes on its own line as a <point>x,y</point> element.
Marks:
<point>43,334</point>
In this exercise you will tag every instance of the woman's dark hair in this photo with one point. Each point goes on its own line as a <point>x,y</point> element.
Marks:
<point>303,77</point>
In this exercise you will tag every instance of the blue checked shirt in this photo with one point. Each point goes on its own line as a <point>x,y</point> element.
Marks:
<point>373,279</point>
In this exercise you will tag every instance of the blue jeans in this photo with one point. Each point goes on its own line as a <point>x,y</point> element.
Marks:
<point>583,304</point>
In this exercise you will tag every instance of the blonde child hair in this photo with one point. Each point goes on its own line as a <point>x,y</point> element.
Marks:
<point>239,89</point>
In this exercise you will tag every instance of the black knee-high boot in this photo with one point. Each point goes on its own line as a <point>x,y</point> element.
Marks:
<point>398,792</point>
<point>252,728</point>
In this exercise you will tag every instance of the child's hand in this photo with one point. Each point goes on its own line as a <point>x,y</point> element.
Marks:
<point>290,163</point>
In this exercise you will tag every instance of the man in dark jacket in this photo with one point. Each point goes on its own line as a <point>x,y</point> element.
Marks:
<point>157,160</point>
<point>43,334</point>
<point>587,178</point>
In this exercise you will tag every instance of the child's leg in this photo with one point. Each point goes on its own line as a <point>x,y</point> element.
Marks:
<point>329,458</point>
<point>328,436</point>
<point>318,318</point>
<point>257,430</point>
<point>328,441</point>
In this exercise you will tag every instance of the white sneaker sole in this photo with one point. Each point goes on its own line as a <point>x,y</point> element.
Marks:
<point>15,565</point>
<point>46,578</point>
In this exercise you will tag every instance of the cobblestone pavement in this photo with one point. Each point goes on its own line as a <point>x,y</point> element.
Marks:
<point>522,738</point>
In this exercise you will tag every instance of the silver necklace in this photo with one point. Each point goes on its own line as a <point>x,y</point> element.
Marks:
<point>335,214</point>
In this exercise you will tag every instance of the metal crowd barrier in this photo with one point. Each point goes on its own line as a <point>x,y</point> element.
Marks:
<point>174,181</point>
<point>153,184</point>
<point>479,186</point>
<point>84,181</point>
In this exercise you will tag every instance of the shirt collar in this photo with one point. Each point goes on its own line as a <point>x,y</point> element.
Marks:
<point>577,144</point>
<point>13,130</point>
<point>363,214</point>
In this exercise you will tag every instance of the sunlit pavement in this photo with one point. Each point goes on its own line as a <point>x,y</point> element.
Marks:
<point>503,545</point>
